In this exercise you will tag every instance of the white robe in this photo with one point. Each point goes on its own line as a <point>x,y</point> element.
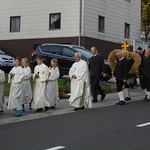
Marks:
<point>15,95</point>
<point>39,94</point>
<point>2,79</point>
<point>80,87</point>
<point>52,86</point>
<point>26,87</point>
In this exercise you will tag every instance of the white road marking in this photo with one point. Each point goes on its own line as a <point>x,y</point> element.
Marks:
<point>143,125</point>
<point>56,148</point>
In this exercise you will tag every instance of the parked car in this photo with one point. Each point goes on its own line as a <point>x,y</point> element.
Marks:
<point>64,54</point>
<point>6,62</point>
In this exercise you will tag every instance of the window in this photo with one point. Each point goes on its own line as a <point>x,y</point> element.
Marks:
<point>68,52</point>
<point>54,21</point>
<point>51,49</point>
<point>101,23</point>
<point>15,24</point>
<point>127,31</point>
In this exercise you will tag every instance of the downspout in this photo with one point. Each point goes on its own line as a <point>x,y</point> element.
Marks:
<point>80,24</point>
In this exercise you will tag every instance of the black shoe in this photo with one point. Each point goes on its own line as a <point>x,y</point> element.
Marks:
<point>39,110</point>
<point>1,110</point>
<point>46,108</point>
<point>118,103</point>
<point>30,108</point>
<point>76,109</point>
<point>127,98</point>
<point>52,107</point>
<point>82,108</point>
<point>122,103</point>
<point>94,100</point>
<point>146,100</point>
<point>23,110</point>
<point>103,96</point>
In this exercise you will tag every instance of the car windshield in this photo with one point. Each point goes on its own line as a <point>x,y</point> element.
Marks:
<point>84,52</point>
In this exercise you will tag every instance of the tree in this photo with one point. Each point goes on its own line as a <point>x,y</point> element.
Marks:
<point>145,18</point>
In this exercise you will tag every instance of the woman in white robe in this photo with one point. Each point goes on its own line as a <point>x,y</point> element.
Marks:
<point>26,86</point>
<point>2,79</point>
<point>52,84</point>
<point>40,77</point>
<point>15,77</point>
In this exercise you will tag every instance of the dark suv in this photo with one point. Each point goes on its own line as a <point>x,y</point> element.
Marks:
<point>64,54</point>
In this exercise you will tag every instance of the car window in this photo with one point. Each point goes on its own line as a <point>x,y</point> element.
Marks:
<point>52,49</point>
<point>84,52</point>
<point>45,49</point>
<point>68,52</point>
<point>56,50</point>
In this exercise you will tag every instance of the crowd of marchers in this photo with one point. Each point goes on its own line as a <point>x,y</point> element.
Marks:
<point>44,95</point>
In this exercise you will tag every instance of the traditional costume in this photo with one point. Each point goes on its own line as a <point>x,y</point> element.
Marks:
<point>134,61</point>
<point>52,86</point>
<point>80,87</point>
<point>145,77</point>
<point>39,97</point>
<point>2,79</point>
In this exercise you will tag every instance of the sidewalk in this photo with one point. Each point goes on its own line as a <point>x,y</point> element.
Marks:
<point>63,107</point>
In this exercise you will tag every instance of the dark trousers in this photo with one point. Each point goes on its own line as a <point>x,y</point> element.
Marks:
<point>145,83</point>
<point>119,84</point>
<point>95,86</point>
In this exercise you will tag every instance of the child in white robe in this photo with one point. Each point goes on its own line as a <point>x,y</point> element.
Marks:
<point>39,92</point>
<point>15,77</point>
<point>2,79</point>
<point>26,87</point>
<point>52,85</point>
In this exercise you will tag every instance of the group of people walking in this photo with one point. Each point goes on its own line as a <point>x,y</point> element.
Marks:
<point>82,74</point>
<point>45,90</point>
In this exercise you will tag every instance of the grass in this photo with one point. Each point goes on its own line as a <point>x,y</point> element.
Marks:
<point>61,82</point>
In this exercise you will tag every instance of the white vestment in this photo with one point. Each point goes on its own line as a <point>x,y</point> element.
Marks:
<point>39,93</point>
<point>15,95</point>
<point>52,86</point>
<point>80,87</point>
<point>2,79</point>
<point>26,87</point>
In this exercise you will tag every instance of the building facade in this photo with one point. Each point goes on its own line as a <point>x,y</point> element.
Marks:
<point>105,24</point>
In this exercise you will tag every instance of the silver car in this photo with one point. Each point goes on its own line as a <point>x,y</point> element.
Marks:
<point>6,61</point>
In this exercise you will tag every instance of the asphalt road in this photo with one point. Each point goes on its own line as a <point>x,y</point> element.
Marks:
<point>107,128</point>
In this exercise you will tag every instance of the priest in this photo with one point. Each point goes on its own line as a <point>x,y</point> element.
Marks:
<point>40,77</point>
<point>80,86</point>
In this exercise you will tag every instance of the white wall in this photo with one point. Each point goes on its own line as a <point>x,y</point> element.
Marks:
<point>116,13</point>
<point>35,18</point>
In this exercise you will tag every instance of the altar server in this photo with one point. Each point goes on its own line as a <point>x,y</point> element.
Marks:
<point>40,77</point>
<point>26,87</point>
<point>15,77</point>
<point>2,79</point>
<point>52,84</point>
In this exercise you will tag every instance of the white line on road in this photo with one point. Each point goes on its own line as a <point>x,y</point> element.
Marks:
<point>143,125</point>
<point>56,148</point>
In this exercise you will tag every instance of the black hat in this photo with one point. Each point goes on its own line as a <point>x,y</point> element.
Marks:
<point>139,48</point>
